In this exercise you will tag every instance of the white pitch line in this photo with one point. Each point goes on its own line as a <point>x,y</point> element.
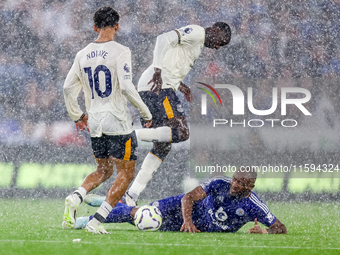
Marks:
<point>177,244</point>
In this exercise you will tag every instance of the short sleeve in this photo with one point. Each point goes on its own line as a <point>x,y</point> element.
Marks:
<point>216,185</point>
<point>189,35</point>
<point>124,71</point>
<point>261,211</point>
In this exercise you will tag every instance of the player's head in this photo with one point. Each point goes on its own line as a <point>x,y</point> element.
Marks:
<point>243,182</point>
<point>105,17</point>
<point>217,36</point>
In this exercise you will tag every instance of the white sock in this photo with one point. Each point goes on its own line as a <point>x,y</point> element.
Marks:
<point>150,164</point>
<point>160,134</point>
<point>96,222</point>
<point>82,192</point>
<point>103,211</point>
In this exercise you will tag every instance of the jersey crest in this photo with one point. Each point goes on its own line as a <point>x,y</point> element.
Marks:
<point>126,68</point>
<point>240,212</point>
<point>156,203</point>
<point>188,30</point>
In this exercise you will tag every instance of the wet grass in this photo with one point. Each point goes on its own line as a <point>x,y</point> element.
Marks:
<point>34,227</point>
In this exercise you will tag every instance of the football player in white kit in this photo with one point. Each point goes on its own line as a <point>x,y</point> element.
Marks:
<point>103,71</point>
<point>174,55</point>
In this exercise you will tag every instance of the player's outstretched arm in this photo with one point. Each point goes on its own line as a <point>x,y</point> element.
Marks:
<point>277,228</point>
<point>189,96</point>
<point>156,80</point>
<point>187,203</point>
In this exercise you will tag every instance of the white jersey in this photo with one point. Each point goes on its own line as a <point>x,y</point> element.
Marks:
<point>175,53</point>
<point>103,71</point>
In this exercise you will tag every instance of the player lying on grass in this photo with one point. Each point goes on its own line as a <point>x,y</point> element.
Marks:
<point>174,55</point>
<point>219,205</point>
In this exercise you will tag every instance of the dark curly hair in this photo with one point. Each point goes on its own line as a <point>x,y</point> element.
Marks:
<point>225,28</point>
<point>105,17</point>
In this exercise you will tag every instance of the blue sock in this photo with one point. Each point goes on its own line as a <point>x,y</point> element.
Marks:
<point>119,214</point>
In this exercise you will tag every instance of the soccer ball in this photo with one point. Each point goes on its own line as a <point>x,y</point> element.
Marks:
<point>148,218</point>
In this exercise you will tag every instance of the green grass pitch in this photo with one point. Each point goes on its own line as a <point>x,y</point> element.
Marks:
<point>34,227</point>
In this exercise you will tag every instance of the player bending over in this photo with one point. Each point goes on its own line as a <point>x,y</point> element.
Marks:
<point>174,55</point>
<point>103,70</point>
<point>219,205</point>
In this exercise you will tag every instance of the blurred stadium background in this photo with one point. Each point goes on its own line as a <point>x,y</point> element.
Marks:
<point>274,44</point>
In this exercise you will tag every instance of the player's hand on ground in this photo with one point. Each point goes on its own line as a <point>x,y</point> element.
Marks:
<point>148,124</point>
<point>257,229</point>
<point>189,96</point>
<point>189,227</point>
<point>157,82</point>
<point>82,124</point>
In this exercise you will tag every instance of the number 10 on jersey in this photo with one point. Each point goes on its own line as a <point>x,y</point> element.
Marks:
<point>95,80</point>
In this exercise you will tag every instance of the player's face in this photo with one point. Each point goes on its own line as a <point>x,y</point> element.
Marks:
<point>240,187</point>
<point>216,39</point>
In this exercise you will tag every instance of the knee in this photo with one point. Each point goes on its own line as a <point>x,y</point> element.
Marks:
<point>161,150</point>
<point>181,132</point>
<point>163,147</point>
<point>184,134</point>
<point>180,129</point>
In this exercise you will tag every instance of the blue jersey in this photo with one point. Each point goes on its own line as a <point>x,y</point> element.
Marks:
<point>218,211</point>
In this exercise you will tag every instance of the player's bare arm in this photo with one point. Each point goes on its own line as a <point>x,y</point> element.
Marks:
<point>277,228</point>
<point>157,81</point>
<point>189,96</point>
<point>81,124</point>
<point>148,124</point>
<point>187,204</point>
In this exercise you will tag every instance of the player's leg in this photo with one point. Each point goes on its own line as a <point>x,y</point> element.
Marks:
<point>122,153</point>
<point>103,172</point>
<point>157,132</point>
<point>168,111</point>
<point>120,213</point>
<point>169,123</point>
<point>150,164</point>
<point>175,131</point>
<point>170,209</point>
<point>160,134</point>
<point>126,173</point>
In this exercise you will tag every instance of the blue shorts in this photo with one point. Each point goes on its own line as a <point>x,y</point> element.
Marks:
<point>119,146</point>
<point>172,218</point>
<point>164,106</point>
